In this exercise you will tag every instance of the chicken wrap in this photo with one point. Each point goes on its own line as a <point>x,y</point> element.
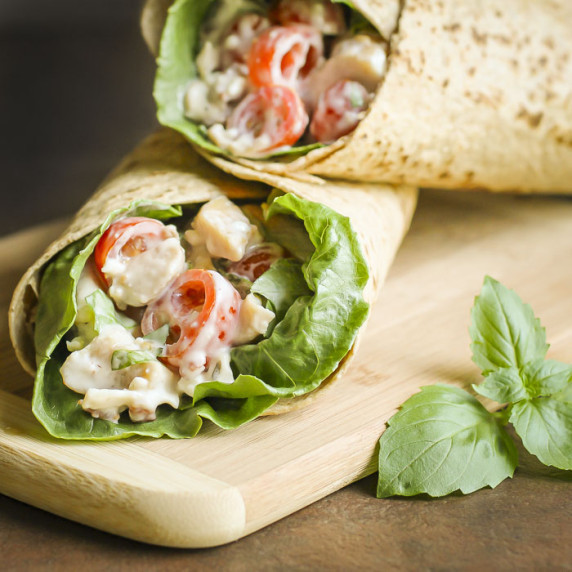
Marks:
<point>179,294</point>
<point>442,94</point>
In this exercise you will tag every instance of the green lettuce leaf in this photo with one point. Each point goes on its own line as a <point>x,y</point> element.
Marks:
<point>504,330</point>
<point>176,67</point>
<point>232,405</point>
<point>281,285</point>
<point>443,440</point>
<point>317,331</point>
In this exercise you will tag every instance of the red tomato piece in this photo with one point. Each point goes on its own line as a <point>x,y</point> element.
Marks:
<point>274,115</point>
<point>257,261</point>
<point>127,238</point>
<point>325,16</point>
<point>201,308</point>
<point>339,110</point>
<point>284,55</point>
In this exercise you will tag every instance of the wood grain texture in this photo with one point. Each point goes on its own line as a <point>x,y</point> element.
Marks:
<point>274,466</point>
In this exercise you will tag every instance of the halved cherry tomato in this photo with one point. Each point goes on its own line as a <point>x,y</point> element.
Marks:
<point>274,115</point>
<point>338,110</point>
<point>284,55</point>
<point>127,238</point>
<point>257,261</point>
<point>323,15</point>
<point>240,36</point>
<point>201,308</point>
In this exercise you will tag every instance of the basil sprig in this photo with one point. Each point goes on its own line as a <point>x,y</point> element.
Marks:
<point>443,440</point>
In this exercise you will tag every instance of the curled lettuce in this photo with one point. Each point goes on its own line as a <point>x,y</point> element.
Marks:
<point>319,309</point>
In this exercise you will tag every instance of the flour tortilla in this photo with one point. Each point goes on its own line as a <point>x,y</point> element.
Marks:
<point>165,168</point>
<point>477,95</point>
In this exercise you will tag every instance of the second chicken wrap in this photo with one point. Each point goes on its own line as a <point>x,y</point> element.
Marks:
<point>444,94</point>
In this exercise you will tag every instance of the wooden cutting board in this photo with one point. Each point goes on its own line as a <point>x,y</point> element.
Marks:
<point>221,486</point>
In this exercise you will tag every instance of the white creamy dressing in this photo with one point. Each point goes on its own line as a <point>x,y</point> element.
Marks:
<point>220,83</point>
<point>224,229</point>
<point>244,144</point>
<point>201,106</point>
<point>361,58</point>
<point>349,117</point>
<point>238,41</point>
<point>221,17</point>
<point>318,18</point>
<point>141,388</point>
<point>323,16</point>
<point>135,281</point>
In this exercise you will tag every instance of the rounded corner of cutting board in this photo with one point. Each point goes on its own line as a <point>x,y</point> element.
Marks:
<point>201,517</point>
<point>118,487</point>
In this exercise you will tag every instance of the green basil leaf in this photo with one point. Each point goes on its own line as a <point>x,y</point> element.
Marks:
<point>443,440</point>
<point>546,377</point>
<point>120,359</point>
<point>159,335</point>
<point>104,312</point>
<point>504,385</point>
<point>545,426</point>
<point>536,379</point>
<point>503,330</point>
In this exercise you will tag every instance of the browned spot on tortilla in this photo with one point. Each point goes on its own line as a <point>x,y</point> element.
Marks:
<point>562,140</point>
<point>451,27</point>
<point>470,175</point>
<point>471,71</point>
<point>478,37</point>
<point>444,175</point>
<point>446,82</point>
<point>505,39</point>
<point>533,119</point>
<point>550,95</point>
<point>482,98</point>
<point>549,43</point>
<point>409,64</point>
<point>404,158</point>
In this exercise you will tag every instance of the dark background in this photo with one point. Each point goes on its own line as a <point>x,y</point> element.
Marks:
<point>76,85</point>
